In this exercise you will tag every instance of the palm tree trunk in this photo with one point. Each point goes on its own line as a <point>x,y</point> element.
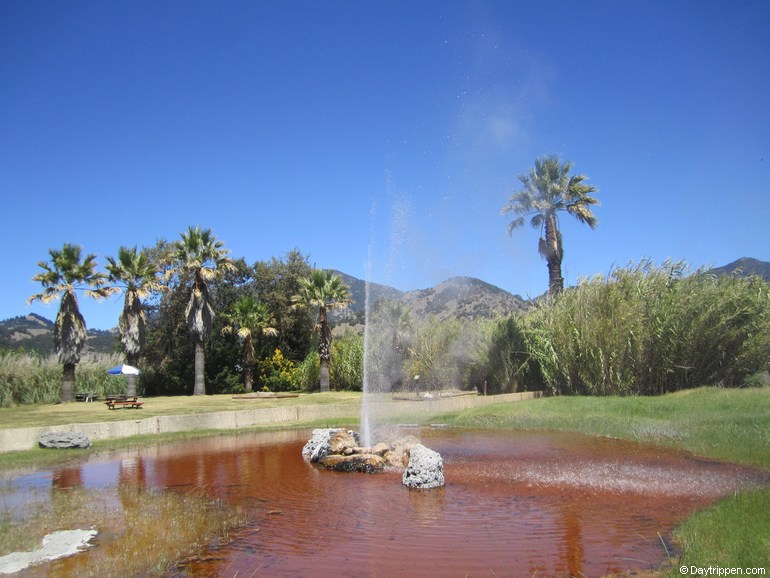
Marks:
<point>324,375</point>
<point>555,280</point>
<point>553,255</point>
<point>248,378</point>
<point>200,361</point>
<point>68,382</point>
<point>131,378</point>
<point>131,385</point>
<point>324,349</point>
<point>249,359</point>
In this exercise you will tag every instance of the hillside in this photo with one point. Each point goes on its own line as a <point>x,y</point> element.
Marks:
<point>458,297</point>
<point>744,267</point>
<point>35,333</point>
<point>463,297</point>
<point>357,287</point>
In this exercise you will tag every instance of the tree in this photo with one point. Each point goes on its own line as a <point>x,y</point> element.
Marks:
<point>248,318</point>
<point>326,291</point>
<point>198,258</point>
<point>549,189</point>
<point>134,273</point>
<point>61,277</point>
<point>275,282</point>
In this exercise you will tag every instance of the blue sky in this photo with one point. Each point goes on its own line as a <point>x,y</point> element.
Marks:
<point>388,133</point>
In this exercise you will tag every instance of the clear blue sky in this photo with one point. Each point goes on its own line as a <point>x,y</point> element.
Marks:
<point>390,132</point>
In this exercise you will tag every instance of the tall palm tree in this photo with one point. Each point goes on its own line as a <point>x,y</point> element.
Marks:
<point>247,318</point>
<point>549,189</point>
<point>134,273</point>
<point>61,277</point>
<point>327,291</point>
<point>199,257</point>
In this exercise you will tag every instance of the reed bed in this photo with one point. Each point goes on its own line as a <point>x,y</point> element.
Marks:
<point>647,330</point>
<point>30,378</point>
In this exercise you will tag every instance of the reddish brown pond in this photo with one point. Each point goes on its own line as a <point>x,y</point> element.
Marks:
<point>515,504</point>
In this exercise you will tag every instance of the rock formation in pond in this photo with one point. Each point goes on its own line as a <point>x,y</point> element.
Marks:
<point>337,449</point>
<point>425,469</point>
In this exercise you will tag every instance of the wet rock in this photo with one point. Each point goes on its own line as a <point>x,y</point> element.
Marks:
<point>399,455</point>
<point>342,441</point>
<point>366,463</point>
<point>320,445</point>
<point>380,449</point>
<point>337,449</point>
<point>61,440</point>
<point>425,469</point>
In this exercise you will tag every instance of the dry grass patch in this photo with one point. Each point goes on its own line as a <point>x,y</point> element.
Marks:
<point>141,532</point>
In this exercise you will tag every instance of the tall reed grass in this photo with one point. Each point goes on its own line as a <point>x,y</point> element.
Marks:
<point>648,330</point>
<point>29,378</point>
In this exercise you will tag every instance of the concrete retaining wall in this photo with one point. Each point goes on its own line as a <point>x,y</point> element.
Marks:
<point>27,438</point>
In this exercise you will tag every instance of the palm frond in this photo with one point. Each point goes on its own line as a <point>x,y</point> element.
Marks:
<point>515,224</point>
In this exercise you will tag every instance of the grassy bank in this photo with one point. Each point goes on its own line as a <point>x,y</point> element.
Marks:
<point>727,424</point>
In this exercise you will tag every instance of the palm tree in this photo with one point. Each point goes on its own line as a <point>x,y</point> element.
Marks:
<point>199,257</point>
<point>549,189</point>
<point>134,273</point>
<point>247,318</point>
<point>327,291</point>
<point>61,277</point>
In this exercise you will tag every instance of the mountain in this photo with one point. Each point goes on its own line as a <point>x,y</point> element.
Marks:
<point>463,297</point>
<point>459,297</point>
<point>744,267</point>
<point>35,333</point>
<point>377,292</point>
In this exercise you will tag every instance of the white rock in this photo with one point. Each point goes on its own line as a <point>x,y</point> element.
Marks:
<point>425,469</point>
<point>54,545</point>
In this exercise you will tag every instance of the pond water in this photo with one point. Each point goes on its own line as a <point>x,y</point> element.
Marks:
<point>515,504</point>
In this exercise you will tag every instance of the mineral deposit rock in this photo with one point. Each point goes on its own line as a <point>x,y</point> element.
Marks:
<point>320,445</point>
<point>425,469</point>
<point>399,457</point>
<point>366,463</point>
<point>381,449</point>
<point>342,441</point>
<point>64,440</point>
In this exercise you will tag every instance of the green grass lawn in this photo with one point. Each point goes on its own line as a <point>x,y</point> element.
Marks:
<point>727,424</point>
<point>724,424</point>
<point>94,412</point>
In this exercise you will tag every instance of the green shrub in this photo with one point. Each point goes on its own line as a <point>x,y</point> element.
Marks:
<point>346,367</point>
<point>276,373</point>
<point>308,373</point>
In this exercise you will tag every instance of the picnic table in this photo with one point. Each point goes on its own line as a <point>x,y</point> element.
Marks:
<point>114,401</point>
